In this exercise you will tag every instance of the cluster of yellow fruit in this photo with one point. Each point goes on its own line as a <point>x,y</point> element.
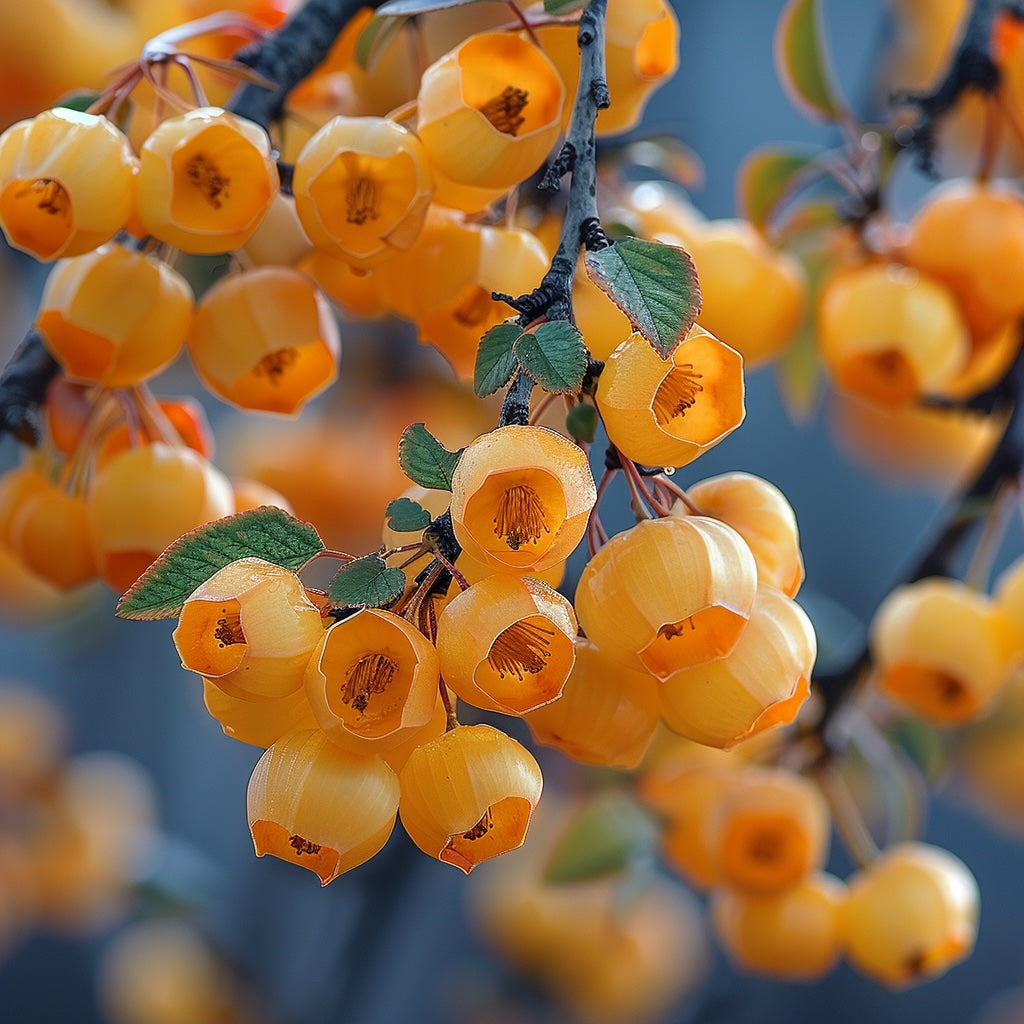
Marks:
<point>938,316</point>
<point>75,832</point>
<point>758,838</point>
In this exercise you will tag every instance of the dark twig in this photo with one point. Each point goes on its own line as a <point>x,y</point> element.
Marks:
<point>972,67</point>
<point>1004,463</point>
<point>23,385</point>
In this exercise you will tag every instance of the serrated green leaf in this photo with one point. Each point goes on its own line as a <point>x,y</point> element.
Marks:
<point>424,460</point>
<point>607,835</point>
<point>562,6</point>
<point>654,284</point>
<point>266,532</point>
<point>582,422</point>
<point>394,7</point>
<point>554,356</point>
<point>765,177</point>
<point>495,360</point>
<point>801,62</point>
<point>405,515</point>
<point>379,31</point>
<point>367,582</point>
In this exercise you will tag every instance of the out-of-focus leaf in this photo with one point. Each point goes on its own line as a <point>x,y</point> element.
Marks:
<point>610,833</point>
<point>562,6</point>
<point>379,31</point>
<point>765,177</point>
<point>802,63</point>
<point>393,7</point>
<point>582,422</point>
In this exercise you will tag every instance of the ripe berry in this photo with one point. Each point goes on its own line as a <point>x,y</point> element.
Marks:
<point>668,594</point>
<point>667,412</point>
<point>320,807</point>
<point>490,110</point>
<point>521,497</point>
<point>507,643</point>
<point>363,186</point>
<point>261,722</point>
<point>206,180</point>
<point>67,183</point>
<point>265,339</point>
<point>250,630</point>
<point>114,317</point>
<point>469,795</point>
<point>911,914</point>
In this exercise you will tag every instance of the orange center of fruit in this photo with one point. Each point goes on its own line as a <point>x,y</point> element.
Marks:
<point>204,174</point>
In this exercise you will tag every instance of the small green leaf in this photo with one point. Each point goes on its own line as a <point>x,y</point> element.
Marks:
<point>367,582</point>
<point>405,515</point>
<point>266,532</point>
<point>554,356</point>
<point>582,422</point>
<point>654,284</point>
<point>424,460</point>
<point>379,31</point>
<point>394,7</point>
<point>495,361</point>
<point>562,6</point>
<point>607,835</point>
<point>765,177</point>
<point>80,100</point>
<point>801,62</point>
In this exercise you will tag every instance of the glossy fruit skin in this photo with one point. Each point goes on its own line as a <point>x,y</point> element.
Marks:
<point>146,498</point>
<point>507,643</point>
<point>770,830</point>
<point>260,723</point>
<point>363,186</point>
<point>489,111</point>
<point>206,180</point>
<point>114,317</point>
<point>910,915</point>
<point>760,684</point>
<point>735,262</point>
<point>249,630</point>
<point>667,412</point>
<point>469,795</point>
<point>939,650</point>
<point>890,334</point>
<point>533,482</point>
<point>320,807</point>
<point>372,678</point>
<point>668,594</point>
<point>792,934</point>
<point>66,183</point>
<point>760,513</point>
<point>606,714</point>
<point>266,340</point>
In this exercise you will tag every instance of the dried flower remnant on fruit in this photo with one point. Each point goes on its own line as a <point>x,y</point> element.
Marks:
<point>302,846</point>
<point>48,195</point>
<point>229,629</point>
<point>521,517</point>
<point>504,110</point>
<point>677,393</point>
<point>371,674</point>
<point>273,366</point>
<point>362,202</point>
<point>205,176</point>
<point>522,648</point>
<point>481,828</point>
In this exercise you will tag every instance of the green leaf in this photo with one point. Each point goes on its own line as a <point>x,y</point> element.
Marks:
<point>375,37</point>
<point>80,100</point>
<point>801,62</point>
<point>495,361</point>
<point>554,356</point>
<point>266,532</point>
<point>582,422</point>
<point>562,6</point>
<point>765,177</point>
<point>367,582</point>
<point>394,7</point>
<point>424,460</point>
<point>607,835</point>
<point>654,284</point>
<point>405,515</point>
